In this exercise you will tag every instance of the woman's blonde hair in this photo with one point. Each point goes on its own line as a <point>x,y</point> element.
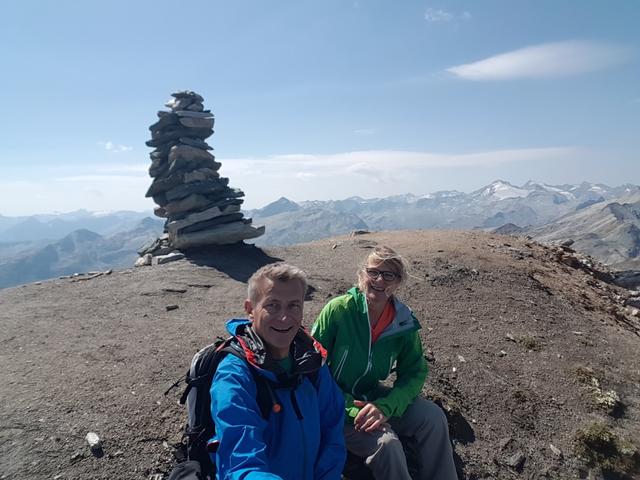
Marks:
<point>384,254</point>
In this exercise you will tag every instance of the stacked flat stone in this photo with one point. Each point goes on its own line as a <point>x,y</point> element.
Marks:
<point>200,207</point>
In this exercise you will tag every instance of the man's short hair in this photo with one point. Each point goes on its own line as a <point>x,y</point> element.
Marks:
<point>282,272</point>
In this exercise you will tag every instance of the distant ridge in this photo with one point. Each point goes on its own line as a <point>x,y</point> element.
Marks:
<point>528,206</point>
<point>78,252</point>
<point>609,231</point>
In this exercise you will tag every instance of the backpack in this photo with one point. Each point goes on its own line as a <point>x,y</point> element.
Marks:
<point>196,446</point>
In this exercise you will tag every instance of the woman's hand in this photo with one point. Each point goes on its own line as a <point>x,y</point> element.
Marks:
<point>369,418</point>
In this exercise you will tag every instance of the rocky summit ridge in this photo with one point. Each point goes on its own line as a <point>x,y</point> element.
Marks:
<point>533,355</point>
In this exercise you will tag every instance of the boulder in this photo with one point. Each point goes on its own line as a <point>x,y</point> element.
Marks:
<point>196,107</point>
<point>186,157</point>
<point>164,122</point>
<point>144,260</point>
<point>208,224</point>
<point>160,212</point>
<point>153,246</point>
<point>183,191</point>
<point>159,137</point>
<point>188,153</point>
<point>172,257</point>
<point>221,235</point>
<point>188,94</point>
<point>164,184</point>
<point>200,174</point>
<point>192,202</point>
<point>188,113</point>
<point>179,103</point>
<point>159,166</point>
<point>192,122</point>
<point>195,142</point>
<point>175,226</point>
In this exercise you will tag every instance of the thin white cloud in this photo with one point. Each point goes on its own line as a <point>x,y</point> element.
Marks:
<point>383,164</point>
<point>114,147</point>
<point>544,61</point>
<point>101,178</point>
<point>263,179</point>
<point>438,15</point>
<point>130,168</point>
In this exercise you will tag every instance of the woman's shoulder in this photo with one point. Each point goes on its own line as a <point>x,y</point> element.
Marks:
<point>341,302</point>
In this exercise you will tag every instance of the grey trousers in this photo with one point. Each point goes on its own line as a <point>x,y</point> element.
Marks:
<point>425,423</point>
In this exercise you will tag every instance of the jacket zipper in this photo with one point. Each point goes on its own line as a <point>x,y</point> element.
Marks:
<point>366,370</point>
<point>341,363</point>
<point>296,408</point>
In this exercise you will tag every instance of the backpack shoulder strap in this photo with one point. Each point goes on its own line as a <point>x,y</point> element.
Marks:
<point>265,396</point>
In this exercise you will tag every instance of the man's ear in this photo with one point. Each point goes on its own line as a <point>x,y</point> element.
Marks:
<point>248,307</point>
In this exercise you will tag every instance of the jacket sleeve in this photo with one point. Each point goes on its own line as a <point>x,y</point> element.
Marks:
<point>332,454</point>
<point>324,330</point>
<point>239,424</point>
<point>411,372</point>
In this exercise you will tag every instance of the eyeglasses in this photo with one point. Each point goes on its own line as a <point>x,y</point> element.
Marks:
<point>387,276</point>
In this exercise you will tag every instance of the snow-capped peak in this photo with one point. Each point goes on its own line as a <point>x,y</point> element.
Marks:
<point>501,190</point>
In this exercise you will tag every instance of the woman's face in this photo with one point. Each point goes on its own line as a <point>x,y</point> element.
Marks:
<point>379,281</point>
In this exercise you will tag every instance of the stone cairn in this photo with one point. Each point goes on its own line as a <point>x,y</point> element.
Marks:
<point>200,208</point>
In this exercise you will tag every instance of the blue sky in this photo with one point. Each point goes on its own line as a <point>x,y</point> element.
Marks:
<point>318,100</point>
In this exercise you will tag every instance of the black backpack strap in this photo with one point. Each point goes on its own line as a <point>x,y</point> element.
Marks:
<point>266,398</point>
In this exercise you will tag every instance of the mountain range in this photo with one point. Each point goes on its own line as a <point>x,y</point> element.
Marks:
<point>80,251</point>
<point>603,221</point>
<point>528,208</point>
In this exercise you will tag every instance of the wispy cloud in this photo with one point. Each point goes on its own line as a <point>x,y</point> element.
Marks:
<point>384,165</point>
<point>101,178</point>
<point>298,176</point>
<point>128,168</point>
<point>114,147</point>
<point>365,131</point>
<point>438,15</point>
<point>544,61</point>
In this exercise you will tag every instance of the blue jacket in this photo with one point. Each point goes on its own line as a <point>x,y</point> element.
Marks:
<point>287,445</point>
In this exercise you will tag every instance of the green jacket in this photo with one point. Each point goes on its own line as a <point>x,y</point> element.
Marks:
<point>358,367</point>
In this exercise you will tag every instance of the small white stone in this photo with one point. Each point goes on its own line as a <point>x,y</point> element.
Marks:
<point>94,441</point>
<point>556,451</point>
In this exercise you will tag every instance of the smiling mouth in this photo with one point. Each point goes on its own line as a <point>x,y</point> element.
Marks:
<point>281,330</point>
<point>377,289</point>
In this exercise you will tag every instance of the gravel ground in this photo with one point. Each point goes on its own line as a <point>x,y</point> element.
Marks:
<point>535,360</point>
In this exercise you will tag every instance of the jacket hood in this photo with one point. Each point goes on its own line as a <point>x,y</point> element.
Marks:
<point>307,354</point>
<point>404,321</point>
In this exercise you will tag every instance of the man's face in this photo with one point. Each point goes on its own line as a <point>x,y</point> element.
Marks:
<point>277,314</point>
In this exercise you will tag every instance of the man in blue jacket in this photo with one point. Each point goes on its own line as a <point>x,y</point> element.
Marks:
<point>302,437</point>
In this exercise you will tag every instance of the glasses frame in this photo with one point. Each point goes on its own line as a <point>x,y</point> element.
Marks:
<point>387,275</point>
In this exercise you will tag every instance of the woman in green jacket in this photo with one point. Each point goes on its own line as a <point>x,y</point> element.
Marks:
<point>368,333</point>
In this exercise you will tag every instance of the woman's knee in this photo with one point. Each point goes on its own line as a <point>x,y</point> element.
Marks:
<point>389,448</point>
<point>427,414</point>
